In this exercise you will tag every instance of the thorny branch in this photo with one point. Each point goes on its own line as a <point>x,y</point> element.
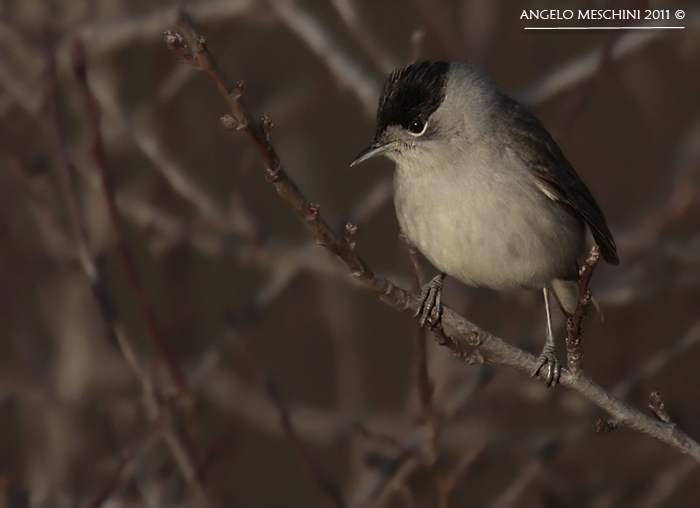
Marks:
<point>466,335</point>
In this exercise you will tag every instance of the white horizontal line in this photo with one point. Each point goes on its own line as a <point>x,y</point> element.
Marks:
<point>603,27</point>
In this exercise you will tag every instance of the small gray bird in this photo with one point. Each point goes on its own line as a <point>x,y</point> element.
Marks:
<point>483,191</point>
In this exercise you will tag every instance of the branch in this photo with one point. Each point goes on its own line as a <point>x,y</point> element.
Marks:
<point>285,419</point>
<point>581,69</point>
<point>467,335</point>
<point>573,323</point>
<point>322,42</point>
<point>127,260</point>
<point>94,272</point>
<point>351,18</point>
<point>113,33</point>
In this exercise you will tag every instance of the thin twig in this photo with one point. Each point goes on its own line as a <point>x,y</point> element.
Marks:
<point>90,266</point>
<point>384,439</point>
<point>574,332</point>
<point>155,410</point>
<point>127,260</point>
<point>185,461</point>
<point>37,195</point>
<point>423,384</point>
<point>374,50</point>
<point>417,41</point>
<point>467,460</point>
<point>426,388</point>
<point>326,485</point>
<point>128,462</point>
<point>110,34</point>
<point>666,482</point>
<point>115,482</point>
<point>321,41</point>
<point>68,172</point>
<point>510,494</point>
<point>689,340</point>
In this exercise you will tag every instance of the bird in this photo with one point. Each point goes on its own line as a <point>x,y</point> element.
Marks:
<point>483,191</point>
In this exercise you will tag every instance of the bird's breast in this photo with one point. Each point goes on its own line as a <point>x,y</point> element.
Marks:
<point>487,228</point>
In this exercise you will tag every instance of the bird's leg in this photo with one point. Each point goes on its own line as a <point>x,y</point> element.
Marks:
<point>430,303</point>
<point>548,356</point>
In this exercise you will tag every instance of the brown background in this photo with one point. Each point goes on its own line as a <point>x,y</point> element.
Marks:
<point>242,294</point>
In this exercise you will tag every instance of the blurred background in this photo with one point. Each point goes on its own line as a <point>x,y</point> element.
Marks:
<point>236,363</point>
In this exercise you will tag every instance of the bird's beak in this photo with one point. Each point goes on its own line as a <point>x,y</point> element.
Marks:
<point>372,151</point>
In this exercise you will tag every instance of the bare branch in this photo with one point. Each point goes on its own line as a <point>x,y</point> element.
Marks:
<point>111,35</point>
<point>347,10</point>
<point>285,418</point>
<point>93,113</point>
<point>348,72</point>
<point>575,72</point>
<point>573,323</point>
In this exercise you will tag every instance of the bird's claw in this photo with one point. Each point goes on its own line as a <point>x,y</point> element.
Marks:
<point>548,358</point>
<point>430,303</point>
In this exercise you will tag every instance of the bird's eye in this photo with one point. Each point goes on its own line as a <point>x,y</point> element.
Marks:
<point>417,127</point>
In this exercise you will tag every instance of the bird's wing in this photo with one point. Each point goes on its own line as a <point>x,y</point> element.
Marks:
<point>529,139</point>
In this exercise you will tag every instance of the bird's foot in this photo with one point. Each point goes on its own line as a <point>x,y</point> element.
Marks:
<point>548,358</point>
<point>430,303</point>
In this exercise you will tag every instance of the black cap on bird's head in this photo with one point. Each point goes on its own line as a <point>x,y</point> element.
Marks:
<point>411,94</point>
